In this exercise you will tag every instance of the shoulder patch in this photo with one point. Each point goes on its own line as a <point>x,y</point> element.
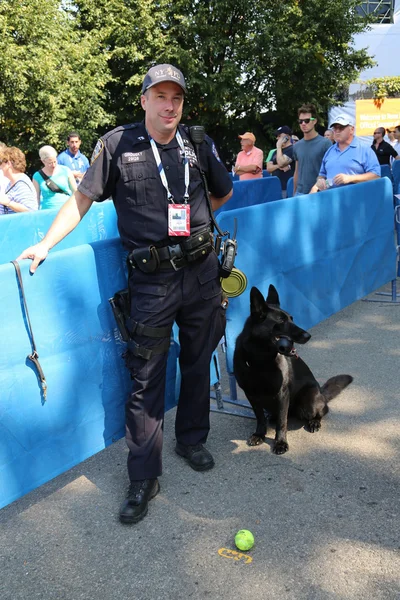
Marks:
<point>215,152</point>
<point>97,150</point>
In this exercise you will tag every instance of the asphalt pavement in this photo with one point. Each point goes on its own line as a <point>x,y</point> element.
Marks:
<point>325,516</point>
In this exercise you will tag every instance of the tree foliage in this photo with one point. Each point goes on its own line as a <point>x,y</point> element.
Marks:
<point>383,87</point>
<point>53,76</point>
<point>79,64</point>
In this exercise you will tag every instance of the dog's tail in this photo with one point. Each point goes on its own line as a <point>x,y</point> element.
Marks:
<point>335,385</point>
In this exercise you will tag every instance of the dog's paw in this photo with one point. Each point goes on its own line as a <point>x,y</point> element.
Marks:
<point>255,440</point>
<point>314,425</point>
<point>280,447</point>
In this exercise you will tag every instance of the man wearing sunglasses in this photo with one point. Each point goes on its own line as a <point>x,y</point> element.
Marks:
<point>383,150</point>
<point>308,152</point>
<point>348,160</point>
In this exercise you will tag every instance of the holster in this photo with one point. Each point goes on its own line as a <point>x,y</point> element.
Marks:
<point>121,308</point>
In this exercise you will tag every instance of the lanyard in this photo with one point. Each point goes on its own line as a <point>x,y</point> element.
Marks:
<point>161,171</point>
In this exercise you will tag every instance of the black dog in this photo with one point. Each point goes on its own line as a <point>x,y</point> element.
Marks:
<point>272,375</point>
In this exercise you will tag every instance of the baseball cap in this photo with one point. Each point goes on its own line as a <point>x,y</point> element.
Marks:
<point>342,119</point>
<point>162,73</point>
<point>247,136</point>
<point>283,129</point>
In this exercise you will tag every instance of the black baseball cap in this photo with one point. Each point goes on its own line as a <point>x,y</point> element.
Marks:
<point>161,73</point>
<point>283,129</point>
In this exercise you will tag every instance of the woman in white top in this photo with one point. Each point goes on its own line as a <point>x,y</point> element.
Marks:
<point>20,195</point>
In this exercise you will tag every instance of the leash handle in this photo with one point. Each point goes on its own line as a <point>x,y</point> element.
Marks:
<point>34,357</point>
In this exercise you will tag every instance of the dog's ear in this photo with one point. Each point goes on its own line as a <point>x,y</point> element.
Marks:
<point>273,297</point>
<point>258,309</point>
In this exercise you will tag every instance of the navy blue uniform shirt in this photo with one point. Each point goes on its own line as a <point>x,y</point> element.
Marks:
<point>123,167</point>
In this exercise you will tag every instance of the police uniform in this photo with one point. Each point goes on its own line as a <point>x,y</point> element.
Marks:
<point>188,292</point>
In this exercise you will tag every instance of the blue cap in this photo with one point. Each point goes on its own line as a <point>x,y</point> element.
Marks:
<point>162,73</point>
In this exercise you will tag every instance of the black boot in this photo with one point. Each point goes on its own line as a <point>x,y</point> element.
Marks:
<point>197,456</point>
<point>135,507</point>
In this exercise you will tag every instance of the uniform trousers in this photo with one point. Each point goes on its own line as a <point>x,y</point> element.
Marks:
<point>190,296</point>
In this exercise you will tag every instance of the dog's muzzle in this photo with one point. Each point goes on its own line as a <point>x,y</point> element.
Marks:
<point>285,346</point>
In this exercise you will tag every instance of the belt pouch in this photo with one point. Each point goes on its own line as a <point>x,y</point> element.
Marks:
<point>146,259</point>
<point>200,239</point>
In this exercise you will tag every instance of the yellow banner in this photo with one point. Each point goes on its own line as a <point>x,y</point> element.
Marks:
<point>370,115</point>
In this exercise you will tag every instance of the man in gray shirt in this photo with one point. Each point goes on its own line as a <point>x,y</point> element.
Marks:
<point>308,152</point>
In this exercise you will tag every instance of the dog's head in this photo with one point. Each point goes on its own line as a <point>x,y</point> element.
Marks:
<point>272,324</point>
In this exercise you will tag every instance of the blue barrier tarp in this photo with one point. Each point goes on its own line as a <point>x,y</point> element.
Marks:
<point>80,353</point>
<point>396,176</point>
<point>321,251</point>
<point>19,231</point>
<point>256,191</point>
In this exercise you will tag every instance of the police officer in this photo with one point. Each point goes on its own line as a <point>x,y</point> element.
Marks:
<point>152,172</point>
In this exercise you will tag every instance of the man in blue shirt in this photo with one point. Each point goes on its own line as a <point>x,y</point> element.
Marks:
<point>348,160</point>
<point>73,158</point>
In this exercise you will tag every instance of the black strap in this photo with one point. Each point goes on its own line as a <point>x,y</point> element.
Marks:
<point>152,332</point>
<point>34,357</point>
<point>56,188</point>
<point>147,353</point>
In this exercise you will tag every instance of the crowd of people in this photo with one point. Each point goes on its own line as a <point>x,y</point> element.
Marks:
<point>318,162</point>
<point>50,187</point>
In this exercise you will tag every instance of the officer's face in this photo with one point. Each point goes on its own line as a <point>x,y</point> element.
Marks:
<point>163,105</point>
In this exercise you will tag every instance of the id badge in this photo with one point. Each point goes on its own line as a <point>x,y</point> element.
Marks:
<point>178,219</point>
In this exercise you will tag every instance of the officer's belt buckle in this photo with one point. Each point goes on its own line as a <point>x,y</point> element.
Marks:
<point>176,254</point>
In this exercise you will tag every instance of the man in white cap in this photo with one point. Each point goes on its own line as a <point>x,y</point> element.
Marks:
<point>348,160</point>
<point>249,162</point>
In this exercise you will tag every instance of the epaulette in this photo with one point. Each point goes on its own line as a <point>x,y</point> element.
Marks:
<point>119,129</point>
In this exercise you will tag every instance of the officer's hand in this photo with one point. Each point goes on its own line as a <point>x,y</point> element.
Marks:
<point>37,254</point>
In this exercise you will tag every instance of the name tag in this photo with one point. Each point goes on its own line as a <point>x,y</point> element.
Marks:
<point>178,219</point>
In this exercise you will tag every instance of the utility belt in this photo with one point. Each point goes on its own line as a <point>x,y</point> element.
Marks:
<point>191,249</point>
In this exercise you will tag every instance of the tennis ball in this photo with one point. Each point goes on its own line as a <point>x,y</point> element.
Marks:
<point>244,539</point>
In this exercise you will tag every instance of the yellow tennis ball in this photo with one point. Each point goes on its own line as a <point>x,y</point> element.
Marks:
<point>244,539</point>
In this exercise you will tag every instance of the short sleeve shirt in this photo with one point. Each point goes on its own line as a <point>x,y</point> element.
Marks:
<point>384,152</point>
<point>75,162</point>
<point>22,192</point>
<point>284,176</point>
<point>309,154</point>
<point>123,167</point>
<point>254,157</point>
<point>356,159</point>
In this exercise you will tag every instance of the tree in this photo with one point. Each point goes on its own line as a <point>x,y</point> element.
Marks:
<point>240,58</point>
<point>52,75</point>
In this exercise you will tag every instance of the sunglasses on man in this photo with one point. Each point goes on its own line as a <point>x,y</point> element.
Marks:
<point>300,121</point>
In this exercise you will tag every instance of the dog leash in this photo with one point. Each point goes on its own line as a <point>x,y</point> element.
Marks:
<point>34,357</point>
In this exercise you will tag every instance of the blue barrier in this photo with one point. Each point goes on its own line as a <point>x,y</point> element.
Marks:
<point>79,348</point>
<point>289,187</point>
<point>265,173</point>
<point>321,251</point>
<point>386,171</point>
<point>396,176</point>
<point>234,177</point>
<point>256,191</point>
<point>25,229</point>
